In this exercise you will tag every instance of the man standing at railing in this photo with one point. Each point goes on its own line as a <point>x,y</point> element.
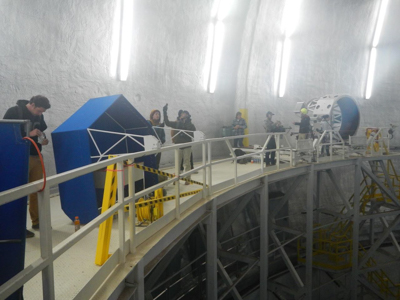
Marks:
<point>155,121</point>
<point>238,126</point>
<point>325,126</point>
<point>185,129</point>
<point>32,110</point>
<point>269,127</point>
<point>305,126</point>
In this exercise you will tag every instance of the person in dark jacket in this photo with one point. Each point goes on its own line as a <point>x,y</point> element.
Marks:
<point>238,126</point>
<point>32,110</point>
<point>173,132</point>
<point>159,133</point>
<point>305,126</point>
<point>269,127</point>
<point>185,129</point>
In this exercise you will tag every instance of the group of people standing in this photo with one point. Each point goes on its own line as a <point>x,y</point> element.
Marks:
<point>183,133</point>
<point>305,131</point>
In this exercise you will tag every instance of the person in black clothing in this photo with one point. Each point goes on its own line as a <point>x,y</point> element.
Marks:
<point>184,134</point>
<point>32,110</point>
<point>155,121</point>
<point>305,126</point>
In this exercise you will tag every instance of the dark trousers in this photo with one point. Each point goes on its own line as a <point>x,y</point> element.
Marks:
<point>270,156</point>
<point>238,143</point>
<point>158,159</point>
<point>325,147</point>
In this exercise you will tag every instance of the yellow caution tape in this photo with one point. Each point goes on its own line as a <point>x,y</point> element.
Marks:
<point>158,172</point>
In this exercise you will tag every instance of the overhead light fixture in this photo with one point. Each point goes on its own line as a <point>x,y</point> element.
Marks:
<point>207,65</point>
<point>371,73</point>
<point>379,24</point>
<point>284,67</point>
<point>216,56</point>
<point>116,34</point>
<point>216,31</point>
<point>290,19</point>
<point>126,38</point>
<point>375,42</point>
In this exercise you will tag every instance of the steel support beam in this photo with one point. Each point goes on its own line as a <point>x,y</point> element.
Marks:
<point>221,270</point>
<point>309,232</point>
<point>379,241</point>
<point>163,264</point>
<point>392,237</point>
<point>387,177</point>
<point>228,223</point>
<point>138,277</point>
<point>289,193</point>
<point>211,258</point>
<point>381,185</point>
<point>287,260</point>
<point>356,230</point>
<point>237,257</point>
<point>264,239</point>
<point>339,191</point>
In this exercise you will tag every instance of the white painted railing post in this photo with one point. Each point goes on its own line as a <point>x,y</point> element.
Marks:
<point>209,169</point>
<point>121,220</point>
<point>177,184</point>
<point>132,209</point>
<point>278,151</point>
<point>46,244</point>
<point>204,162</point>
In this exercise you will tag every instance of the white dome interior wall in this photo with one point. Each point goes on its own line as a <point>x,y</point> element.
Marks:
<point>61,49</point>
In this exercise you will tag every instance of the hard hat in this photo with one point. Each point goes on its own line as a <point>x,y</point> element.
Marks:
<point>303,111</point>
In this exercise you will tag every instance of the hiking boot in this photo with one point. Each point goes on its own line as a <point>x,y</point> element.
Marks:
<point>29,234</point>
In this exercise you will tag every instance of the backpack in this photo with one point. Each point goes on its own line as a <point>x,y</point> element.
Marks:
<point>242,161</point>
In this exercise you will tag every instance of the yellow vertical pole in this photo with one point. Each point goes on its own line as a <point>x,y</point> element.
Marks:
<point>109,196</point>
<point>244,112</point>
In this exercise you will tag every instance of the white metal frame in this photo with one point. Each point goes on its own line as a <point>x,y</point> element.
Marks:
<point>50,253</point>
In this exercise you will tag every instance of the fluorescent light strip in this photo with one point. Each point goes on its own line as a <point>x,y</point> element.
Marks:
<point>284,67</point>
<point>371,72</point>
<point>224,8</point>
<point>114,55</point>
<point>290,17</point>
<point>379,24</point>
<point>289,22</point>
<point>218,42</point>
<point>126,39</point>
<point>207,65</point>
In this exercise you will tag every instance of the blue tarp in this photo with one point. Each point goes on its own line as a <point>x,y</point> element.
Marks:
<point>14,164</point>
<point>74,147</point>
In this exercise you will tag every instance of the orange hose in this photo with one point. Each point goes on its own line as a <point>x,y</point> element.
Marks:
<point>41,161</point>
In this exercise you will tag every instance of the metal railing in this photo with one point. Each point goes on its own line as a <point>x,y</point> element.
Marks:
<point>49,253</point>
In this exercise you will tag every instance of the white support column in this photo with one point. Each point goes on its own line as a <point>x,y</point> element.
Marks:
<point>177,184</point>
<point>121,220</point>
<point>309,232</point>
<point>204,161</point>
<point>138,276</point>
<point>209,169</point>
<point>264,238</point>
<point>278,152</point>
<point>46,245</point>
<point>212,282</point>
<point>132,209</point>
<point>356,220</point>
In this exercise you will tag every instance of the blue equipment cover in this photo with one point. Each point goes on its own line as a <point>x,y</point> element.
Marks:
<point>74,146</point>
<point>14,164</point>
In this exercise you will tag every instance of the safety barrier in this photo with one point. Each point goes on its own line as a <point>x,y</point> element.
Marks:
<point>50,253</point>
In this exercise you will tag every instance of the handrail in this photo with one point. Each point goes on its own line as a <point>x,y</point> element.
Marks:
<point>50,253</point>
